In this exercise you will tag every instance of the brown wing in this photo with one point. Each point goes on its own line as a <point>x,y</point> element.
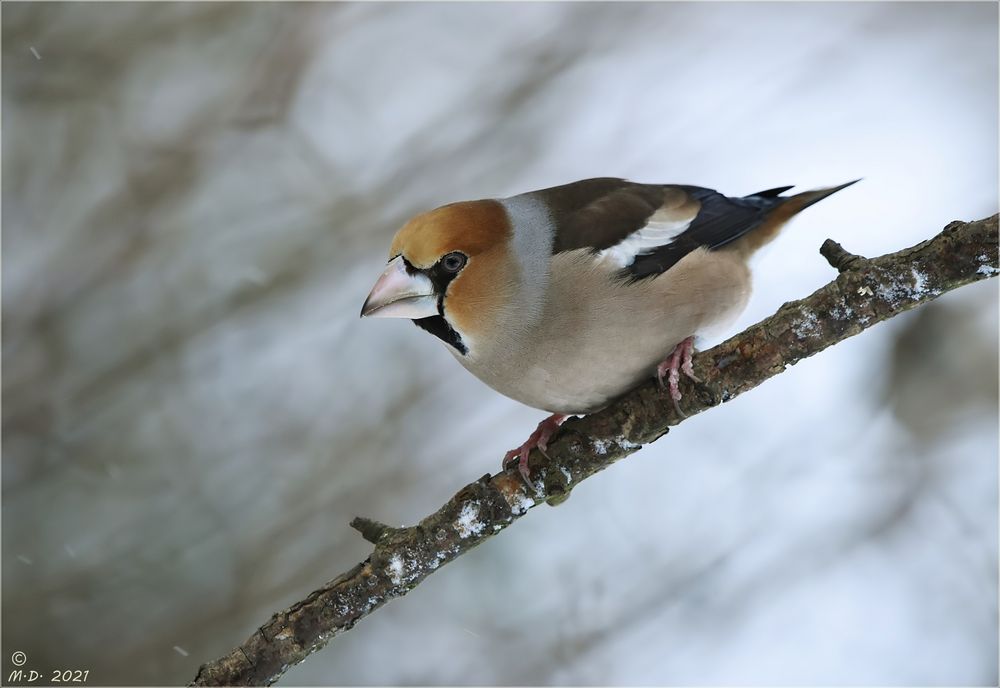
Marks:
<point>647,228</point>
<point>599,213</point>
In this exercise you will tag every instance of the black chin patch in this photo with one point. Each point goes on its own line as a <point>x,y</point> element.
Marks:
<point>439,327</point>
<point>436,324</point>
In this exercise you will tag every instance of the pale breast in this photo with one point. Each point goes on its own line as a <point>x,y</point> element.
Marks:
<point>599,336</point>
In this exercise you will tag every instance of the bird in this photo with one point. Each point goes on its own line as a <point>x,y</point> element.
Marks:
<point>566,297</point>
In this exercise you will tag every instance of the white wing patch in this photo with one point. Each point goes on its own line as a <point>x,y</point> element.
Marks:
<point>661,229</point>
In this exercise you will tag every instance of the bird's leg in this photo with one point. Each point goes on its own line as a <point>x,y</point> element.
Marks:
<point>679,361</point>
<point>539,438</point>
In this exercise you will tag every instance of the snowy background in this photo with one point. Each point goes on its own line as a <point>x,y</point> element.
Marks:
<point>196,200</point>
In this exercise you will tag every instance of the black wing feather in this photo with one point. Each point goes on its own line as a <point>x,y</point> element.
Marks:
<point>721,220</point>
<point>771,193</point>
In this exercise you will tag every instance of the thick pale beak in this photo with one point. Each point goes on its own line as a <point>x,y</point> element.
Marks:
<point>398,294</point>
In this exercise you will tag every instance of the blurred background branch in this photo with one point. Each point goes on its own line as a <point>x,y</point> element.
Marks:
<point>867,291</point>
<point>195,197</point>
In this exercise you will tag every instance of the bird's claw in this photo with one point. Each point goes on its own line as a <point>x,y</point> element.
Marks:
<point>679,361</point>
<point>539,439</point>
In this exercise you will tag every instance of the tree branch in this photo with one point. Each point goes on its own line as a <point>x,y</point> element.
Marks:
<point>866,291</point>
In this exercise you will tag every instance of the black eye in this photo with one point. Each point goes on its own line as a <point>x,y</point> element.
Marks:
<point>453,262</point>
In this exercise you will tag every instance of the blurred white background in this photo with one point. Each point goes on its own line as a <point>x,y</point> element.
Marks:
<point>196,200</point>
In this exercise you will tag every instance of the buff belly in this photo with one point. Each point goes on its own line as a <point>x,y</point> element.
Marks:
<point>597,336</point>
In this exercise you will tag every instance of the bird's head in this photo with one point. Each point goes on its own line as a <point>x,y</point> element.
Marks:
<point>449,271</point>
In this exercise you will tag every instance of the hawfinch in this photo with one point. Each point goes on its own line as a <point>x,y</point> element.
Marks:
<point>567,297</point>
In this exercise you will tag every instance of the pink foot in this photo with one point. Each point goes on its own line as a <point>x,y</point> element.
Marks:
<point>539,438</point>
<point>679,361</point>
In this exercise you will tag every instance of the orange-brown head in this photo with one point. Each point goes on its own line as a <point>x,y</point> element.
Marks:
<point>449,270</point>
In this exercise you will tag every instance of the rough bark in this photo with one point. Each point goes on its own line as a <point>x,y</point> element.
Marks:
<point>866,292</point>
